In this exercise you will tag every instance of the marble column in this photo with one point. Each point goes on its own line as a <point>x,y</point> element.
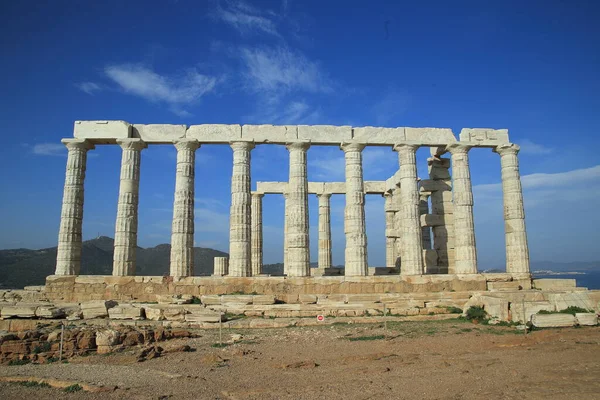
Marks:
<point>257,234</point>
<point>182,233</point>
<point>324,230</point>
<point>412,244</point>
<point>390,236</point>
<point>297,239</point>
<point>68,257</point>
<point>465,253</point>
<point>240,211</point>
<point>285,225</point>
<point>424,209</point>
<point>517,250</point>
<point>126,225</point>
<point>354,213</point>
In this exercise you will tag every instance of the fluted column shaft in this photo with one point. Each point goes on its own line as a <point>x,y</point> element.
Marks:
<point>517,249</point>
<point>182,233</point>
<point>324,230</point>
<point>126,225</point>
<point>297,239</point>
<point>424,209</point>
<point>465,253</point>
<point>412,247</point>
<point>68,257</point>
<point>390,236</point>
<point>240,212</point>
<point>257,234</point>
<point>354,213</point>
<point>285,226</point>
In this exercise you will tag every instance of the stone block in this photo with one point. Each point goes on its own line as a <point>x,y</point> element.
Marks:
<point>376,135</point>
<point>430,258</point>
<point>332,298</point>
<point>158,133</point>
<point>529,308</point>
<point>436,220</point>
<point>324,133</point>
<point>511,285</point>
<point>211,299</point>
<point>204,316</point>
<point>174,299</point>
<point>272,187</point>
<point>126,311</point>
<point>236,299</point>
<point>96,308</point>
<point>214,133</point>
<point>562,301</point>
<point>484,136</point>
<point>587,319</point>
<point>307,298</point>
<point>174,312</point>
<point>334,187</point>
<point>554,284</point>
<point>19,310</point>
<point>49,311</point>
<point>374,187</point>
<point>430,185</point>
<point>553,320</point>
<point>263,299</point>
<point>154,312</point>
<point>430,136</point>
<point>495,307</point>
<point>102,130</point>
<point>269,133</point>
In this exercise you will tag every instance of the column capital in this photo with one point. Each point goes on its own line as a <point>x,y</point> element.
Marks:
<point>259,195</point>
<point>297,146</point>
<point>458,148</point>
<point>83,144</point>
<point>324,195</point>
<point>352,146</point>
<point>406,147</point>
<point>132,144</point>
<point>508,148</point>
<point>241,145</point>
<point>186,144</point>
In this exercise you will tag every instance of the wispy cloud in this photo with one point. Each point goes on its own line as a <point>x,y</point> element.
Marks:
<point>50,149</point>
<point>529,147</point>
<point>271,69</point>
<point>176,90</point>
<point>88,87</point>
<point>392,105</point>
<point>246,18</point>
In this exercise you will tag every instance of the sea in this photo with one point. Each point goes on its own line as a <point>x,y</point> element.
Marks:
<point>589,279</point>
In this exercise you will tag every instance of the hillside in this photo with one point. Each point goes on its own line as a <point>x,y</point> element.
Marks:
<point>23,267</point>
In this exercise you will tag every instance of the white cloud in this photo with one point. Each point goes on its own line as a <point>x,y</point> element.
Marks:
<point>88,87</point>
<point>50,149</point>
<point>176,91</point>
<point>271,69</point>
<point>392,105</point>
<point>245,18</point>
<point>529,147</point>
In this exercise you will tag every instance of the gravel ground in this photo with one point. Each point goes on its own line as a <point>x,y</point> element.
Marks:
<point>429,360</point>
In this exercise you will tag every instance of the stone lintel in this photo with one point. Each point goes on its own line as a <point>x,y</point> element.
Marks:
<point>102,132</point>
<point>370,187</point>
<point>484,137</point>
<point>159,133</point>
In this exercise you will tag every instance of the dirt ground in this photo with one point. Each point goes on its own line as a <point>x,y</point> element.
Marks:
<point>448,359</point>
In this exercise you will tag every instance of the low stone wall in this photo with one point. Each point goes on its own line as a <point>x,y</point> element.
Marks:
<point>146,288</point>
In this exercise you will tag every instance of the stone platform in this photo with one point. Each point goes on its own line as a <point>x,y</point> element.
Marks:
<point>146,288</point>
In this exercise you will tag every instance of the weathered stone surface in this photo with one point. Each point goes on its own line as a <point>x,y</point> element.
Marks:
<point>204,316</point>
<point>375,135</point>
<point>256,234</point>
<point>553,320</point>
<point>221,266</point>
<point>324,133</point>
<point>49,311</point>
<point>154,312</point>
<point>107,340</point>
<point>237,299</point>
<point>126,311</point>
<point>269,133</point>
<point>495,307</point>
<point>554,284</point>
<point>19,310</point>
<point>240,211</point>
<point>174,299</point>
<point>485,137</point>
<point>521,311</point>
<point>214,133</point>
<point>263,299</point>
<point>562,301</point>
<point>587,319</point>
<point>96,308</point>
<point>158,133</point>
<point>102,130</point>
<point>212,299</point>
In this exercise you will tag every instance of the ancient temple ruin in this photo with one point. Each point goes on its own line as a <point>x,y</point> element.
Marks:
<point>430,237</point>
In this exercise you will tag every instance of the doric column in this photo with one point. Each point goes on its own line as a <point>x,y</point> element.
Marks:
<point>324,230</point>
<point>390,236</point>
<point>68,257</point>
<point>517,250</point>
<point>182,233</point>
<point>424,209</point>
<point>285,225</point>
<point>465,254</point>
<point>297,240</point>
<point>220,266</point>
<point>412,246</point>
<point>127,208</point>
<point>354,215</point>
<point>257,234</point>
<point>240,212</point>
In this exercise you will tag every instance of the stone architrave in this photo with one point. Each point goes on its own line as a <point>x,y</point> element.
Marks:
<point>297,239</point>
<point>240,211</point>
<point>257,234</point>
<point>126,226</point>
<point>517,250</point>
<point>68,257</point>
<point>182,233</point>
<point>354,215</point>
<point>412,244</point>
<point>390,237</point>
<point>465,253</point>
<point>324,230</point>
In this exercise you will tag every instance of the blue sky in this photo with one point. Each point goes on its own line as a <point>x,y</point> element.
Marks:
<point>531,67</point>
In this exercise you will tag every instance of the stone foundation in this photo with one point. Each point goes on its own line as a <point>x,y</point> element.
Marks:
<point>147,288</point>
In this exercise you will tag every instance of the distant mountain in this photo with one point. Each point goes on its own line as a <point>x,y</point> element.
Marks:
<point>23,267</point>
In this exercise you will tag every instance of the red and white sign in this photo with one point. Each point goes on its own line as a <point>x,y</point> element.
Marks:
<point>320,318</point>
